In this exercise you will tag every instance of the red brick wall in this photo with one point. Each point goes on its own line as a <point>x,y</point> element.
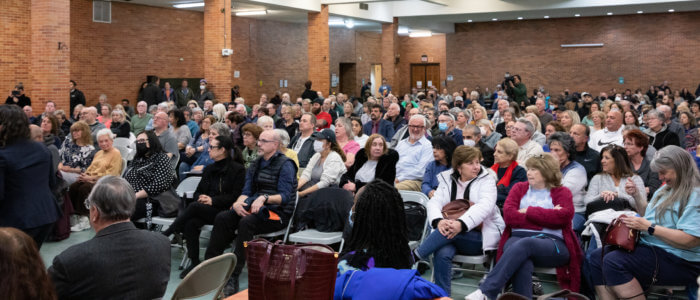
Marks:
<point>217,68</point>
<point>115,58</point>
<point>644,49</point>
<point>359,47</point>
<point>390,48</point>
<point>15,47</point>
<point>411,50</point>
<point>50,63</point>
<point>318,51</point>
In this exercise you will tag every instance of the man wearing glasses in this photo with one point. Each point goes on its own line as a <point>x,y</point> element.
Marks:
<point>415,153</point>
<point>265,205</point>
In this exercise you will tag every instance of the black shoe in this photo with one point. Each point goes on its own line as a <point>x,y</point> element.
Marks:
<point>187,270</point>
<point>177,239</point>
<point>231,286</point>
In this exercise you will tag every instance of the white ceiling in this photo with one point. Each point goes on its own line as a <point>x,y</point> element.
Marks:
<point>440,15</point>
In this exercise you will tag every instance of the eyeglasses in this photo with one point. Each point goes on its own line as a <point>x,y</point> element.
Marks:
<point>214,147</point>
<point>415,127</point>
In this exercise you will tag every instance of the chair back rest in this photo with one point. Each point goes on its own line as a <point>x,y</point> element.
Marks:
<point>421,199</point>
<point>124,164</point>
<point>120,141</point>
<point>211,275</point>
<point>122,150</point>
<point>188,185</point>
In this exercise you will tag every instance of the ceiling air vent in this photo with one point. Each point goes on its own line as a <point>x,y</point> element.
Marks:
<point>364,6</point>
<point>101,11</point>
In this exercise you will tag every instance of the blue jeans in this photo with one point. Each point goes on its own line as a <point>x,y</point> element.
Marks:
<point>521,253</point>
<point>578,223</point>
<point>465,243</point>
<point>184,167</point>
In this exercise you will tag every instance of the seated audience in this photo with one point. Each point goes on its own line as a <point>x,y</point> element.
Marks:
<point>204,160</point>
<point>51,131</point>
<point>37,135</point>
<point>610,184</point>
<point>636,146</point>
<point>178,123</point>
<point>120,126</point>
<point>508,116</point>
<point>446,125</point>
<point>27,177</point>
<point>414,156</point>
<point>220,185</point>
<point>553,127</point>
<point>586,156</point>
<point>472,137</point>
<point>141,118</point>
<point>166,137</point>
<point>105,116</point>
<point>563,148</point>
<point>76,152</point>
<point>121,261</point>
<point>443,147</point>
<point>659,134</point>
<point>284,142</point>
<point>488,136</point>
<point>477,230</point>
<point>107,161</point>
<point>150,175</point>
<point>265,122</point>
<point>360,136</point>
<point>522,133</point>
<point>26,276</point>
<point>265,205</point>
<point>302,143</point>
<point>326,166</point>
<point>538,216</point>
<point>374,161</point>
<point>403,132</point>
<point>198,144</point>
<point>668,252</point>
<point>287,121</point>
<point>63,121</point>
<point>538,136</point>
<point>507,170</point>
<point>377,124</point>
<point>346,139</point>
<point>611,134</point>
<point>251,134</point>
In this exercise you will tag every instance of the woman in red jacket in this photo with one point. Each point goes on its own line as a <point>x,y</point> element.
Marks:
<point>538,216</point>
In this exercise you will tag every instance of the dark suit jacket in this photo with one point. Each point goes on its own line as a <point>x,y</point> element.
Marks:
<point>152,94</point>
<point>386,129</point>
<point>120,262</point>
<point>26,179</point>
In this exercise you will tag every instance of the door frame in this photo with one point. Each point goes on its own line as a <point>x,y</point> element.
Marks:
<point>425,85</point>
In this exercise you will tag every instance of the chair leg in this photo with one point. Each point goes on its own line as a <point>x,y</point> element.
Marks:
<point>342,243</point>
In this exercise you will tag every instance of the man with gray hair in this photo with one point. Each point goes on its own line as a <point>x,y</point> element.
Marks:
<point>498,115</point>
<point>672,125</point>
<point>473,137</point>
<point>415,153</point>
<point>522,134</point>
<point>121,261</point>
<point>659,132</point>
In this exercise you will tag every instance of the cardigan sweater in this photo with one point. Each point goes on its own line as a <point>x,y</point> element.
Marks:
<point>385,170</point>
<point>106,163</point>
<point>333,169</point>
<point>569,275</point>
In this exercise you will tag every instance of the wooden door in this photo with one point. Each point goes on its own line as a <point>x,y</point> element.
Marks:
<point>425,75</point>
<point>432,76</point>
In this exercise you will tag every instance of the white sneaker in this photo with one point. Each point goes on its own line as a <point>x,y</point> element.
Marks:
<point>74,220</point>
<point>476,295</point>
<point>84,223</point>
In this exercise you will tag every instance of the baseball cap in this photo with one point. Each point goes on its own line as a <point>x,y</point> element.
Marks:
<point>584,94</point>
<point>325,134</point>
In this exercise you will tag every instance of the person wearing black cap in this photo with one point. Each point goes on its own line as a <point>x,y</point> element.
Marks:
<point>326,166</point>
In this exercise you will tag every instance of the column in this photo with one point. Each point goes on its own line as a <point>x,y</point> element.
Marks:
<point>318,51</point>
<point>50,54</point>
<point>390,50</point>
<point>217,36</point>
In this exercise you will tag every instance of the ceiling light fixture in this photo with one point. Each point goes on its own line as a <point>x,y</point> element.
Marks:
<point>640,11</point>
<point>671,10</point>
<point>520,18</point>
<point>251,13</point>
<point>577,15</point>
<point>469,21</point>
<point>546,17</point>
<point>336,23</point>
<point>416,34</point>
<point>349,24</point>
<point>610,13</point>
<point>403,30</point>
<point>189,5</point>
<point>494,19</point>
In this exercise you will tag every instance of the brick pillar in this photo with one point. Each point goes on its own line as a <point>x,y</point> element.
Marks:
<point>318,51</point>
<point>217,36</point>
<point>390,48</point>
<point>50,54</point>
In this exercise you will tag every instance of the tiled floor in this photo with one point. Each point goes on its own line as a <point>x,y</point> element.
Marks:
<point>51,249</point>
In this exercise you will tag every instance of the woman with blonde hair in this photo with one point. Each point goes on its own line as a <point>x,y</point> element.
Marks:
<point>219,112</point>
<point>76,152</point>
<point>598,119</point>
<point>479,113</point>
<point>346,139</point>
<point>587,120</point>
<point>567,119</point>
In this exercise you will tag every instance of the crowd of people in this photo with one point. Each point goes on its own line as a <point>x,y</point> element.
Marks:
<point>536,173</point>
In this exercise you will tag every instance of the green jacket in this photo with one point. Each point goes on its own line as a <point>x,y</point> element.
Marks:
<point>181,98</point>
<point>520,92</point>
<point>138,124</point>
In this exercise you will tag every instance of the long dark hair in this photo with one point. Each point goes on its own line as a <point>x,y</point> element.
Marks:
<point>622,162</point>
<point>380,227</point>
<point>26,276</point>
<point>227,143</point>
<point>446,144</point>
<point>14,126</point>
<point>179,117</point>
<point>153,142</point>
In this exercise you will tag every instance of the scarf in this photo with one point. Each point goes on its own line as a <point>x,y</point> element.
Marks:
<point>505,180</point>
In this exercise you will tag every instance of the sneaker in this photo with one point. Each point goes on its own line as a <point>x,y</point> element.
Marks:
<point>457,274</point>
<point>476,295</point>
<point>74,220</point>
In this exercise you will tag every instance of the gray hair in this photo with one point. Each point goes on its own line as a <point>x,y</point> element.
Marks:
<point>265,120</point>
<point>565,141</point>
<point>163,106</point>
<point>476,131</point>
<point>658,113</point>
<point>104,131</point>
<point>283,137</point>
<point>113,197</point>
<point>153,108</point>
<point>422,117</point>
<point>221,129</point>
<point>535,121</point>
<point>347,123</point>
<point>196,110</point>
<point>119,111</point>
<point>528,125</point>
<point>687,179</point>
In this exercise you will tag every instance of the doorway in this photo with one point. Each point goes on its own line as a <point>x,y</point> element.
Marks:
<point>424,76</point>
<point>375,78</point>
<point>347,83</point>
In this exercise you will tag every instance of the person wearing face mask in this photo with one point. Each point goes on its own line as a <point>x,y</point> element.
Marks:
<point>446,125</point>
<point>488,136</point>
<point>472,138</point>
<point>150,175</point>
<point>325,167</point>
<point>204,93</point>
<point>374,161</point>
<point>477,230</point>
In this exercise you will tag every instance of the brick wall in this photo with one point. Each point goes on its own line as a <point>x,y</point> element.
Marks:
<point>318,50</point>
<point>644,49</point>
<point>115,58</point>
<point>50,56</point>
<point>390,48</point>
<point>15,47</point>
<point>411,50</point>
<point>359,47</point>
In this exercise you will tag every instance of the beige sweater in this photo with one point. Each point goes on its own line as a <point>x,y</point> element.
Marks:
<point>106,163</point>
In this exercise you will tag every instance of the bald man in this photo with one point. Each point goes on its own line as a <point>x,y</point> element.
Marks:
<point>611,134</point>
<point>165,136</point>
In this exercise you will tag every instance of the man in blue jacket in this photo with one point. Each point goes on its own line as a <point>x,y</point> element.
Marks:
<point>378,124</point>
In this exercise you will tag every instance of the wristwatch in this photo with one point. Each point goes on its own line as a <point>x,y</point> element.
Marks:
<point>651,229</point>
<point>266,198</point>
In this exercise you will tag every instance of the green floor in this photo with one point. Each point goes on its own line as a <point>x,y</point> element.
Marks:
<point>51,249</point>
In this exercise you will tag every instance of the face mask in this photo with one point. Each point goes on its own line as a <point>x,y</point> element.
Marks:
<point>318,146</point>
<point>442,126</point>
<point>141,149</point>
<point>469,143</point>
<point>201,87</point>
<point>618,98</point>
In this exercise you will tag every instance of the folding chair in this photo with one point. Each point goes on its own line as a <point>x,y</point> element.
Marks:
<point>124,163</point>
<point>422,199</point>
<point>326,238</point>
<point>285,231</point>
<point>211,275</point>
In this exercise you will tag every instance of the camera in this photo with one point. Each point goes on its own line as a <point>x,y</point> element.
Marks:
<point>508,78</point>
<point>15,94</point>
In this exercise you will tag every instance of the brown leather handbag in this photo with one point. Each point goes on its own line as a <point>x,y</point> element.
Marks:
<point>278,271</point>
<point>618,234</point>
<point>455,209</point>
